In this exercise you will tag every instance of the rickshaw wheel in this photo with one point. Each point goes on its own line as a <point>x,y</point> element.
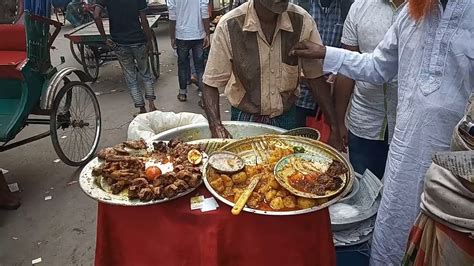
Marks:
<point>75,123</point>
<point>154,57</point>
<point>76,52</point>
<point>90,61</point>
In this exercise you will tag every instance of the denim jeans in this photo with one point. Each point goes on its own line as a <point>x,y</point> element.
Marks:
<point>184,46</point>
<point>134,62</point>
<point>368,154</point>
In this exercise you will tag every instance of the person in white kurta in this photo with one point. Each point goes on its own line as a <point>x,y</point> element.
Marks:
<point>434,58</point>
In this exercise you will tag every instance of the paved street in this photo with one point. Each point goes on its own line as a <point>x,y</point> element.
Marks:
<point>62,230</point>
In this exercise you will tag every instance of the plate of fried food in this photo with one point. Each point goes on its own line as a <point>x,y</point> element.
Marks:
<point>311,175</point>
<point>265,157</point>
<point>135,173</point>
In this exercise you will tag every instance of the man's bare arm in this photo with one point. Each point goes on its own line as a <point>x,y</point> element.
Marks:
<point>145,26</point>
<point>210,96</point>
<point>98,21</point>
<point>343,89</point>
<point>173,33</point>
<point>207,27</point>
<point>322,95</point>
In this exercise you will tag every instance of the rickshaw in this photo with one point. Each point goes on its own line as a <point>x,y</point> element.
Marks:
<point>88,47</point>
<point>33,92</point>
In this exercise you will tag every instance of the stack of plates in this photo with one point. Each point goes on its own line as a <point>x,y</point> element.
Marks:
<point>353,217</point>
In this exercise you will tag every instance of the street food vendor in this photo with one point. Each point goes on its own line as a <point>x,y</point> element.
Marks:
<point>250,57</point>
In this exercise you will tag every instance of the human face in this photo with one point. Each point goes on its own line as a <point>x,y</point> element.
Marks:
<point>275,6</point>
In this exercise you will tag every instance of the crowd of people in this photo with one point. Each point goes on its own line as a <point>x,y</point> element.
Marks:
<point>392,78</point>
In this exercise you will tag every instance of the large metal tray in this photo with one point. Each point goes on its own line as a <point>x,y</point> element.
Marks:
<point>244,149</point>
<point>92,189</point>
<point>201,131</point>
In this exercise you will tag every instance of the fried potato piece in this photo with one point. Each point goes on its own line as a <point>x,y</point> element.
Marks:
<point>289,201</point>
<point>282,193</point>
<point>274,184</point>
<point>227,181</point>
<point>254,200</point>
<point>252,170</point>
<point>305,203</point>
<point>228,192</point>
<point>270,195</point>
<point>218,185</point>
<point>239,177</point>
<point>277,203</point>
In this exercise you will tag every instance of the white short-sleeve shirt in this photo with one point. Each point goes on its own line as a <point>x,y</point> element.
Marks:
<point>373,107</point>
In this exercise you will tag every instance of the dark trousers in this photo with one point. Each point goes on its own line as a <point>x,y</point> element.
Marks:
<point>368,154</point>
<point>183,48</point>
<point>301,114</point>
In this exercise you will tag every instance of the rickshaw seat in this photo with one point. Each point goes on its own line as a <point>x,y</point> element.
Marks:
<point>12,50</point>
<point>9,61</point>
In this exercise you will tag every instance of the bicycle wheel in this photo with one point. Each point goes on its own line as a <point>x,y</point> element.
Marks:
<point>154,57</point>
<point>90,61</point>
<point>75,123</point>
<point>76,54</point>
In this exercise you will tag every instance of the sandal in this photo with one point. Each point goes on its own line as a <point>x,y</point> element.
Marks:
<point>182,97</point>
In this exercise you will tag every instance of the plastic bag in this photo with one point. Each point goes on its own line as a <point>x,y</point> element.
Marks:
<point>319,124</point>
<point>149,124</point>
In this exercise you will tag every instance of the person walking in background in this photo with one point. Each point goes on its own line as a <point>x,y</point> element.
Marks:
<point>429,47</point>
<point>189,31</point>
<point>130,33</point>
<point>371,116</point>
<point>329,17</point>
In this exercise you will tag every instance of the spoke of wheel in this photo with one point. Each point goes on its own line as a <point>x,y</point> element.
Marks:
<point>82,155</point>
<point>88,142</point>
<point>90,137</point>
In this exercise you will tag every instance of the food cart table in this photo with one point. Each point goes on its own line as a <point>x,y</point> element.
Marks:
<point>172,234</point>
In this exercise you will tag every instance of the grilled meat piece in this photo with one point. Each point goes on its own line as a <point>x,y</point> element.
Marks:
<point>174,142</point>
<point>336,168</point>
<point>195,169</point>
<point>136,144</point>
<point>167,179</point>
<point>118,187</point>
<point>104,153</point>
<point>181,184</point>
<point>195,180</point>
<point>97,171</point>
<point>158,193</point>
<point>160,146</point>
<point>158,182</point>
<point>120,149</point>
<point>171,191</point>
<point>133,192</point>
<point>146,194</point>
<point>139,182</point>
<point>184,175</point>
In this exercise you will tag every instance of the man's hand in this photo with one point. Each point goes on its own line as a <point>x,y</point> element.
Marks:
<point>343,133</point>
<point>206,43</point>
<point>173,43</point>
<point>219,131</point>
<point>307,49</point>
<point>111,44</point>
<point>335,140</point>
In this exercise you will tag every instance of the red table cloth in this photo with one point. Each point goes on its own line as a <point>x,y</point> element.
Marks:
<point>172,234</point>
